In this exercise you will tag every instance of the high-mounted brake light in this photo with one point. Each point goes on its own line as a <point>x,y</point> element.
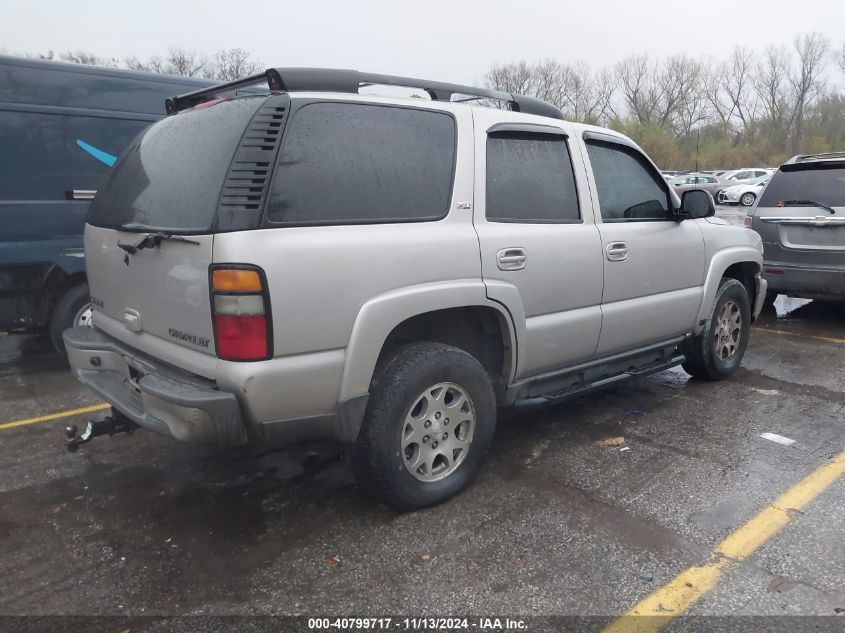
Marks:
<point>240,308</point>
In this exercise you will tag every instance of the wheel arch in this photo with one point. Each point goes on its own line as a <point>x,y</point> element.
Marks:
<point>455,313</point>
<point>741,263</point>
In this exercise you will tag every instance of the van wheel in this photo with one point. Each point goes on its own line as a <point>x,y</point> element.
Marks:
<point>73,309</point>
<point>717,352</point>
<point>428,426</point>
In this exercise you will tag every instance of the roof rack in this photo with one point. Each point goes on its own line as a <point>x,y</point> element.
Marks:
<point>334,80</point>
<point>828,155</point>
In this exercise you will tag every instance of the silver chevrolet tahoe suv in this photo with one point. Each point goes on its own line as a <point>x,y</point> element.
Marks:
<point>316,263</point>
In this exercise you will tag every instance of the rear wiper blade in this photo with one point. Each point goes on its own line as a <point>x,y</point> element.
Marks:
<point>799,203</point>
<point>153,240</point>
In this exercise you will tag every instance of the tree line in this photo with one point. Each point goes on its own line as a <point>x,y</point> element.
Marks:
<point>225,64</point>
<point>753,108</point>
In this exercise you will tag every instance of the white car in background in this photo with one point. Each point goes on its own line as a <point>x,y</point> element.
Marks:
<point>744,194</point>
<point>747,174</point>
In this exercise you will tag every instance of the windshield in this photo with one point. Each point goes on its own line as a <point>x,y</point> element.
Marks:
<point>819,182</point>
<point>170,177</point>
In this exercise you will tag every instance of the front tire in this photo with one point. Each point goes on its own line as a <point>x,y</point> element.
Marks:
<point>716,353</point>
<point>429,423</point>
<point>747,199</point>
<point>73,309</point>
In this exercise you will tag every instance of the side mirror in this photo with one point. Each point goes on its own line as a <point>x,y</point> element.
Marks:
<point>697,203</point>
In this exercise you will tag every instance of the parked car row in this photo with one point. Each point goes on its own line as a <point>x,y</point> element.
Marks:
<point>717,183</point>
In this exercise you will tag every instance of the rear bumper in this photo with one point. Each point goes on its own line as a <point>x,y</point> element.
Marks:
<point>802,280</point>
<point>153,395</point>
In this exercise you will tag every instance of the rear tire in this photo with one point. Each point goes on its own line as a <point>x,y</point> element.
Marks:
<point>716,353</point>
<point>747,199</point>
<point>71,310</point>
<point>425,396</point>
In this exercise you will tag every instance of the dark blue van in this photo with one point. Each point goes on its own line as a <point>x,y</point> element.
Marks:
<point>62,127</point>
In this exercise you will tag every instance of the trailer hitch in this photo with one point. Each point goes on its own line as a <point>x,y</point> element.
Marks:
<point>112,425</point>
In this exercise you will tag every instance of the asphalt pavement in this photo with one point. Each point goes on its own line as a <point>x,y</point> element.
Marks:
<point>557,523</point>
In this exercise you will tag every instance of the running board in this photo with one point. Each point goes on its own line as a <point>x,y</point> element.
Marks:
<point>582,389</point>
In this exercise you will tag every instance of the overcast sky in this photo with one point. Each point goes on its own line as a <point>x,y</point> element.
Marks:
<point>453,40</point>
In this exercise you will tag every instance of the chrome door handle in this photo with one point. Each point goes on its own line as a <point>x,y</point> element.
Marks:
<point>616,251</point>
<point>511,258</point>
<point>82,194</point>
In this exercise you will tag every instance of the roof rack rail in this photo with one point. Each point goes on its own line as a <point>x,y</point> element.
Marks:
<point>334,80</point>
<point>826,155</point>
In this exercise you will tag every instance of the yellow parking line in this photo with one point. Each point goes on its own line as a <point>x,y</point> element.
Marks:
<point>675,597</point>
<point>54,416</point>
<point>827,339</point>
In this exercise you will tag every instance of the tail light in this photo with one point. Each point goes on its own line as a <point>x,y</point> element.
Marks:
<point>240,308</point>
<point>748,221</point>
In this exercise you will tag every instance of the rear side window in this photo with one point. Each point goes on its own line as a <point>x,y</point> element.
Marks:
<point>530,179</point>
<point>629,189</point>
<point>171,176</point>
<point>345,163</point>
<point>820,183</point>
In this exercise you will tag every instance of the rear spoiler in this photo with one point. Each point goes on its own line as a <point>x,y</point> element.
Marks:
<point>349,81</point>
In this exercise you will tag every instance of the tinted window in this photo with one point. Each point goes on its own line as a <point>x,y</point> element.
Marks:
<point>530,179</point>
<point>347,163</point>
<point>171,175</point>
<point>821,183</point>
<point>628,187</point>
<point>44,156</point>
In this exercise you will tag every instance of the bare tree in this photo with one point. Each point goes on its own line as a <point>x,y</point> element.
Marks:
<point>807,78</point>
<point>840,58</point>
<point>186,63</point>
<point>233,63</point>
<point>738,85</point>
<point>90,59</point>
<point>515,78</point>
<point>547,82</point>
<point>770,84</point>
<point>640,90</point>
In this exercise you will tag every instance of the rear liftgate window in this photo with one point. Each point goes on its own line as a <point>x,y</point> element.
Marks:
<point>820,182</point>
<point>170,177</point>
<point>344,163</point>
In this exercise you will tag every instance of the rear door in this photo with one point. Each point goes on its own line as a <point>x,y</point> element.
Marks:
<point>654,264</point>
<point>540,250</point>
<point>154,294</point>
<point>794,231</point>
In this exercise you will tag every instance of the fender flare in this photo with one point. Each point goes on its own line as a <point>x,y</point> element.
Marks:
<point>378,317</point>
<point>719,263</point>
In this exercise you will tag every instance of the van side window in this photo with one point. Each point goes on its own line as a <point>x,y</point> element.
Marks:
<point>45,156</point>
<point>628,187</point>
<point>530,179</point>
<point>345,163</point>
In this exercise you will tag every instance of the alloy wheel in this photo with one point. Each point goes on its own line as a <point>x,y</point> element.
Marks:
<point>438,431</point>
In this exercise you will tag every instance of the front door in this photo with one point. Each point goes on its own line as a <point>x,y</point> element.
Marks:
<point>654,264</point>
